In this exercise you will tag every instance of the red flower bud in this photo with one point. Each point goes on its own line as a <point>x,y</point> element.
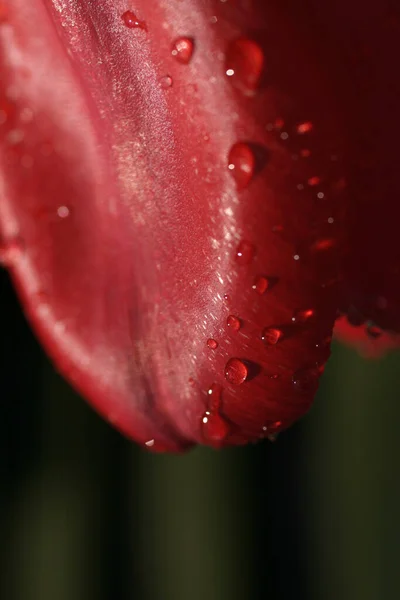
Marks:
<point>172,208</point>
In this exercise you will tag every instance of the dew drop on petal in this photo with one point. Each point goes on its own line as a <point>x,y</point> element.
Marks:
<point>215,428</point>
<point>305,127</point>
<point>302,316</point>
<point>241,164</point>
<point>313,181</point>
<point>233,323</point>
<point>373,331</point>
<point>244,253</point>
<point>130,20</point>
<point>182,49</point>
<point>212,344</point>
<point>244,65</point>
<point>261,284</point>
<point>271,335</point>
<point>166,82</point>
<point>63,212</point>
<point>305,380</point>
<point>236,371</point>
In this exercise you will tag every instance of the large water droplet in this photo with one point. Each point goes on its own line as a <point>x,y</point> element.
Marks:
<point>245,253</point>
<point>261,284</point>
<point>244,65</point>
<point>130,20</point>
<point>236,371</point>
<point>241,163</point>
<point>233,323</point>
<point>182,49</point>
<point>271,335</point>
<point>212,344</point>
<point>215,428</point>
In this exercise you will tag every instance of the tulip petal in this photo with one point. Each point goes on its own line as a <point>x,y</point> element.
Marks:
<point>172,209</point>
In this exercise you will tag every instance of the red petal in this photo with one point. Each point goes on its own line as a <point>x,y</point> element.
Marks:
<point>123,207</point>
<point>362,55</point>
<point>370,341</point>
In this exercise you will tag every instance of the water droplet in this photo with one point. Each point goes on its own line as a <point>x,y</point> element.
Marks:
<point>182,50</point>
<point>191,382</point>
<point>215,428</point>
<point>313,181</point>
<point>373,332</point>
<point>302,316</point>
<point>63,212</point>
<point>305,127</point>
<point>261,284</point>
<point>245,253</point>
<point>323,244</point>
<point>233,323</point>
<point>130,20</point>
<point>244,65</point>
<point>236,371</point>
<point>213,344</point>
<point>241,163</point>
<point>305,380</point>
<point>271,335</point>
<point>227,298</point>
<point>166,82</point>
<point>149,443</point>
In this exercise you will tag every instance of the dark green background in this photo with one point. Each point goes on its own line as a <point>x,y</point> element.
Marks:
<point>87,515</point>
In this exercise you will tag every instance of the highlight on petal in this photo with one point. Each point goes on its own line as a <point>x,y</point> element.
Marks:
<point>121,214</point>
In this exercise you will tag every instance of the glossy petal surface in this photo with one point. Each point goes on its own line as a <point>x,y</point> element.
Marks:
<point>123,206</point>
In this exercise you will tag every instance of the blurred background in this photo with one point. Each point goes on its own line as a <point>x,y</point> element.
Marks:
<point>85,514</point>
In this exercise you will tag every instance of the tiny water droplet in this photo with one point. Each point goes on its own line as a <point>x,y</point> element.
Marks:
<point>191,382</point>
<point>313,181</point>
<point>305,127</point>
<point>166,82</point>
<point>373,332</point>
<point>130,20</point>
<point>236,371</point>
<point>227,298</point>
<point>302,316</point>
<point>182,49</point>
<point>213,344</point>
<point>244,65</point>
<point>245,253</point>
<point>323,244</point>
<point>305,380</point>
<point>261,284</point>
<point>63,212</point>
<point>233,323</point>
<point>149,443</point>
<point>271,335</point>
<point>241,163</point>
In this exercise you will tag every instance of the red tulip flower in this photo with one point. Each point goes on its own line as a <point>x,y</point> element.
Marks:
<point>179,182</point>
